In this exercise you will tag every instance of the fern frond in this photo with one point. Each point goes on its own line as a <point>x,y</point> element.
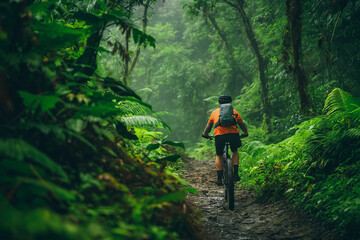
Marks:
<point>353,133</point>
<point>337,101</point>
<point>255,148</point>
<point>355,112</point>
<point>56,190</point>
<point>142,121</point>
<point>316,143</point>
<point>20,150</point>
<point>128,108</point>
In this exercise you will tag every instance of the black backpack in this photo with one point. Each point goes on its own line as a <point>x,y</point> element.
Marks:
<point>227,116</point>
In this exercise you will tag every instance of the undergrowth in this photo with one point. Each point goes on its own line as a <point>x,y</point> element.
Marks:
<point>316,168</point>
<point>81,156</point>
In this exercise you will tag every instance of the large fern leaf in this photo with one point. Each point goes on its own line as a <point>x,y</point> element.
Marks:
<point>20,150</point>
<point>354,134</point>
<point>342,103</point>
<point>142,121</point>
<point>130,107</point>
<point>337,102</point>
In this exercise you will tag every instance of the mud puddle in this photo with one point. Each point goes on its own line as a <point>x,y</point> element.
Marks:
<point>250,219</point>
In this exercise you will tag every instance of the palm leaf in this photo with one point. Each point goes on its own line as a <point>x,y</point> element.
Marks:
<point>20,150</point>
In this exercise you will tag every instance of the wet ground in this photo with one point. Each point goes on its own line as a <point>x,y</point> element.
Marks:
<point>250,219</point>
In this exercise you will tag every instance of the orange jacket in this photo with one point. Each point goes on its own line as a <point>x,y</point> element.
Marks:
<point>214,118</point>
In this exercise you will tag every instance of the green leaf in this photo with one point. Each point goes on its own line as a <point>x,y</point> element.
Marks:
<point>171,158</point>
<point>191,190</point>
<point>102,4</point>
<point>102,50</point>
<point>104,132</point>
<point>81,138</point>
<point>336,101</point>
<point>32,101</point>
<point>10,167</point>
<point>152,146</point>
<point>77,125</point>
<point>143,38</point>
<point>172,197</point>
<point>56,35</point>
<point>20,150</point>
<point>40,9</point>
<point>97,111</point>
<point>175,144</point>
<point>46,129</point>
<point>143,121</point>
<point>59,192</point>
<point>110,151</point>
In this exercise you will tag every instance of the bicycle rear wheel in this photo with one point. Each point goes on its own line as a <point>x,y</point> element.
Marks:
<point>229,184</point>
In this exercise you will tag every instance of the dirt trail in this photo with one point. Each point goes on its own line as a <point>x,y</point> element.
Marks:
<point>250,219</point>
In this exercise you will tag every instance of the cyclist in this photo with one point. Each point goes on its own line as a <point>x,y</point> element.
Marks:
<point>225,134</point>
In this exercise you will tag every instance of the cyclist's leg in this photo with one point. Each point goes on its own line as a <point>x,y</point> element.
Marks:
<point>235,143</point>
<point>235,157</point>
<point>219,146</point>
<point>218,162</point>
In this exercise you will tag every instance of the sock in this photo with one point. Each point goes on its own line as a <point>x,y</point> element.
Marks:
<point>236,168</point>
<point>219,174</point>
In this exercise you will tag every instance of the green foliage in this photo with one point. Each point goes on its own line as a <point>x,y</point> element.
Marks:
<point>19,150</point>
<point>316,168</point>
<point>32,101</point>
<point>69,163</point>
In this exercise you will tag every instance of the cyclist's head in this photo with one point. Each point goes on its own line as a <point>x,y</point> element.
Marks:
<point>225,99</point>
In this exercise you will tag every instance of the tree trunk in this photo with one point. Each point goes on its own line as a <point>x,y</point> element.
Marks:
<point>261,65</point>
<point>127,56</point>
<point>128,61</point>
<point>293,13</point>
<point>235,84</point>
<point>88,58</point>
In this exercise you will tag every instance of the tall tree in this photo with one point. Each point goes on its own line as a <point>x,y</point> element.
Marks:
<point>294,31</point>
<point>131,62</point>
<point>239,6</point>
<point>235,82</point>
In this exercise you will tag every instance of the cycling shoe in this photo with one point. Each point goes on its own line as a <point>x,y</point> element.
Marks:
<point>219,182</point>
<point>236,178</point>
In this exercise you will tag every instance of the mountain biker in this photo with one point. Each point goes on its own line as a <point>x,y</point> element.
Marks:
<point>226,134</point>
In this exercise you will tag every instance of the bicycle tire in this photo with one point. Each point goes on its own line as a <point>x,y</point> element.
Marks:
<point>225,183</point>
<point>224,176</point>
<point>229,184</point>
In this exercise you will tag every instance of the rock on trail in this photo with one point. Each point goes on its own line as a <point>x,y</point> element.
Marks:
<point>250,219</point>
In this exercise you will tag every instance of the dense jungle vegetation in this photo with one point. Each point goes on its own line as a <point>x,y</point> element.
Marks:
<point>98,99</point>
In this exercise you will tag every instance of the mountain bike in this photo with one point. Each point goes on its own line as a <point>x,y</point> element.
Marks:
<point>228,176</point>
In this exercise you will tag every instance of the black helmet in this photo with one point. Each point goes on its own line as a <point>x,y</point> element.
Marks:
<point>225,99</point>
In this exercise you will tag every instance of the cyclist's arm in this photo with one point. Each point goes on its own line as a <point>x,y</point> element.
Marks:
<point>243,128</point>
<point>207,129</point>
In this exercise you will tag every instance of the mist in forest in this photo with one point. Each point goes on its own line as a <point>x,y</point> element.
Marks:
<point>202,52</point>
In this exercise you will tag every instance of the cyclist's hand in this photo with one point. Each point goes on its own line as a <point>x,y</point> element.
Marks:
<point>244,135</point>
<point>205,136</point>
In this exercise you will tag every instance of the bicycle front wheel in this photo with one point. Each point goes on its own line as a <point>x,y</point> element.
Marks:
<point>229,184</point>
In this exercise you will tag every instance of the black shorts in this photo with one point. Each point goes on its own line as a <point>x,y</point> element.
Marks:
<point>232,138</point>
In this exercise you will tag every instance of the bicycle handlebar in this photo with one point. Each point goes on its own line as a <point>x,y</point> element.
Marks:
<point>212,137</point>
<point>208,137</point>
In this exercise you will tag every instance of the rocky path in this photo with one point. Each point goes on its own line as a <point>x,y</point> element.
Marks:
<point>250,219</point>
